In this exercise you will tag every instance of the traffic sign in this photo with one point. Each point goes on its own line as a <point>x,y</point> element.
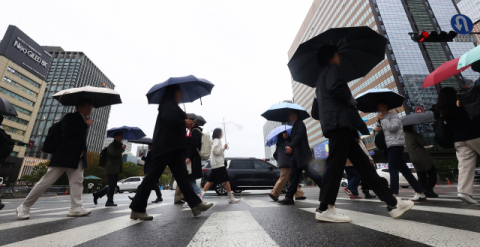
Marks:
<point>462,24</point>
<point>419,110</point>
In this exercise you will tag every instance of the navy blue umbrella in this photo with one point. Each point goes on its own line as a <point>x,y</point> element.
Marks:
<point>279,112</point>
<point>129,133</point>
<point>192,87</point>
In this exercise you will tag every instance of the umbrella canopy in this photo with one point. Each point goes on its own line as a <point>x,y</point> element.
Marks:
<point>192,87</point>
<point>143,140</point>
<point>468,58</point>
<point>443,72</point>
<point>360,50</point>
<point>279,112</point>
<point>6,108</point>
<point>129,133</point>
<point>91,177</point>
<point>272,138</point>
<point>200,120</point>
<point>99,96</point>
<point>418,118</point>
<point>367,101</point>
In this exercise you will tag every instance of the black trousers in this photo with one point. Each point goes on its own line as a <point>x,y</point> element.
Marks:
<point>110,189</point>
<point>342,145</point>
<point>175,160</point>
<point>428,179</point>
<point>157,190</point>
<point>296,174</point>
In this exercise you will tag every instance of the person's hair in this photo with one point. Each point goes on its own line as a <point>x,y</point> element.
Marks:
<point>382,101</point>
<point>83,102</point>
<point>118,133</point>
<point>446,102</point>
<point>476,66</point>
<point>169,93</point>
<point>325,53</point>
<point>408,128</point>
<point>1,119</point>
<point>216,133</point>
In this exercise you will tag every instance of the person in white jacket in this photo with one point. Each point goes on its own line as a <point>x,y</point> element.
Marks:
<point>219,170</point>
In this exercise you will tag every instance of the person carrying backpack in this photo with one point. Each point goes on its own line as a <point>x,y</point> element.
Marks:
<point>113,167</point>
<point>69,156</point>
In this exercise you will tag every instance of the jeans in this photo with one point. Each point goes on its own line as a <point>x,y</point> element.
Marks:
<point>196,189</point>
<point>353,179</point>
<point>396,164</point>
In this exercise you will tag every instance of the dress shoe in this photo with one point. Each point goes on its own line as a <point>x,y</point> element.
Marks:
<point>286,201</point>
<point>110,204</point>
<point>95,199</point>
<point>430,194</point>
<point>2,206</point>
<point>159,199</point>
<point>202,207</point>
<point>273,197</point>
<point>300,198</point>
<point>368,195</point>
<point>140,216</point>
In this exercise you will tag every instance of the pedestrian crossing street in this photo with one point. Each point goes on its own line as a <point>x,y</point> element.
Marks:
<point>255,221</point>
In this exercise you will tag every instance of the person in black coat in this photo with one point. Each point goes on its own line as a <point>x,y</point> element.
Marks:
<point>70,156</point>
<point>341,123</point>
<point>193,147</point>
<point>147,169</point>
<point>301,157</point>
<point>168,148</point>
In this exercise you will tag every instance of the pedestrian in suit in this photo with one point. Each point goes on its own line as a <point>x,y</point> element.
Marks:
<point>70,156</point>
<point>301,157</point>
<point>194,160</point>
<point>147,167</point>
<point>113,167</point>
<point>340,123</point>
<point>168,148</point>
<point>283,160</point>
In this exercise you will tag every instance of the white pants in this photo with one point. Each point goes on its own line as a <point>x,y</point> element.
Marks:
<point>75,178</point>
<point>467,157</point>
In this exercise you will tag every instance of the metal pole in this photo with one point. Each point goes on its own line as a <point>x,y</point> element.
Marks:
<point>224,132</point>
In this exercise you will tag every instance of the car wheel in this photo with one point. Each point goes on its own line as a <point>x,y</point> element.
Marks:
<point>404,187</point>
<point>220,189</point>
<point>344,184</point>
<point>237,191</point>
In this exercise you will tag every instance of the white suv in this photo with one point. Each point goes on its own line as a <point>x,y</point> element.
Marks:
<point>129,184</point>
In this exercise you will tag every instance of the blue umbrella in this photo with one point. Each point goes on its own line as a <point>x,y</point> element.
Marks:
<point>129,133</point>
<point>193,88</point>
<point>279,112</point>
<point>272,138</point>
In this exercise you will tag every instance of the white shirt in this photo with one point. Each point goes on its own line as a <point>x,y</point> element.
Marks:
<point>218,157</point>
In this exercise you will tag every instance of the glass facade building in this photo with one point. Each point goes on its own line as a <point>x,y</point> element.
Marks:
<point>70,70</point>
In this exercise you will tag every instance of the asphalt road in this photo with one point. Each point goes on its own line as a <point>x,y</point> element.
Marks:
<point>255,221</point>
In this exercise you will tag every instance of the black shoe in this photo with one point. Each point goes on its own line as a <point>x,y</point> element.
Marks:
<point>131,198</point>
<point>159,199</point>
<point>430,194</point>
<point>301,198</point>
<point>95,199</point>
<point>368,195</point>
<point>286,201</point>
<point>2,206</point>
<point>273,197</point>
<point>110,204</point>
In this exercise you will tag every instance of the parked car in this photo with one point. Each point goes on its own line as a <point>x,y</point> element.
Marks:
<point>384,173</point>
<point>129,184</point>
<point>245,174</point>
<point>477,175</point>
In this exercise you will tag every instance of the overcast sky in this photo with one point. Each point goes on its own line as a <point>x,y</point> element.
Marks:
<point>240,46</point>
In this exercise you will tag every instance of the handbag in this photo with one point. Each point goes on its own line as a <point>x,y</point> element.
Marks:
<point>443,135</point>
<point>380,142</point>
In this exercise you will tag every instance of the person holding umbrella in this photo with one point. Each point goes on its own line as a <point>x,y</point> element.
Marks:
<point>168,146</point>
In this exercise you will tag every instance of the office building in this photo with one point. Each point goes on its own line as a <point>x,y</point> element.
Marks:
<point>471,8</point>
<point>143,149</point>
<point>267,128</point>
<point>28,164</point>
<point>70,69</point>
<point>23,70</point>
<point>128,145</point>
<point>406,63</point>
<point>128,157</point>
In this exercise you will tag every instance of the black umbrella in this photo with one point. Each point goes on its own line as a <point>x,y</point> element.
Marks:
<point>418,118</point>
<point>143,140</point>
<point>6,108</point>
<point>200,120</point>
<point>360,50</point>
<point>367,101</point>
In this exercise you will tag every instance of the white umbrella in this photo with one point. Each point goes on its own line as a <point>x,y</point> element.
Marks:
<point>228,126</point>
<point>99,96</point>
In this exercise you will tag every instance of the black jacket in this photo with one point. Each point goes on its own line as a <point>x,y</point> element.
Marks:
<point>73,143</point>
<point>193,146</point>
<point>170,131</point>
<point>336,104</point>
<point>462,126</point>
<point>299,144</point>
<point>147,168</point>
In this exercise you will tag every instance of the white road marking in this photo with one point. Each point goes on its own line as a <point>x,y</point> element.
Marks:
<point>79,235</point>
<point>128,210</point>
<point>458,211</point>
<point>35,211</point>
<point>232,228</point>
<point>317,202</point>
<point>22,223</point>
<point>91,209</point>
<point>259,203</point>
<point>415,231</point>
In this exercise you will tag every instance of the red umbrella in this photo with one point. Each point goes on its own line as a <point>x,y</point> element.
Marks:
<point>443,72</point>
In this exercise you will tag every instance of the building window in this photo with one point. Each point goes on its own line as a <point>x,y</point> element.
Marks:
<point>21,76</point>
<point>16,96</point>
<point>13,130</point>
<point>22,110</point>
<point>16,120</point>
<point>13,83</point>
<point>14,154</point>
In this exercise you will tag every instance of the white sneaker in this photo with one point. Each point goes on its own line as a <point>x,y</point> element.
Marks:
<point>466,198</point>
<point>185,205</point>
<point>23,213</point>
<point>78,212</point>
<point>401,207</point>
<point>331,215</point>
<point>202,194</point>
<point>419,197</point>
<point>232,199</point>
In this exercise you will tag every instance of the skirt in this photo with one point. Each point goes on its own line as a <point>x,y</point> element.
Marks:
<point>218,175</point>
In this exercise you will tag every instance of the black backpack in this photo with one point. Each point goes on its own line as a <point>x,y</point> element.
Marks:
<point>380,142</point>
<point>470,99</point>
<point>53,138</point>
<point>443,134</point>
<point>103,158</point>
<point>6,146</point>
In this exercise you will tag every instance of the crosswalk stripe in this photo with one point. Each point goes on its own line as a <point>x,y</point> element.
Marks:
<point>128,210</point>
<point>34,211</point>
<point>232,228</point>
<point>415,231</point>
<point>79,235</point>
<point>22,223</point>
<point>316,202</point>
<point>259,203</point>
<point>91,209</point>
<point>458,211</point>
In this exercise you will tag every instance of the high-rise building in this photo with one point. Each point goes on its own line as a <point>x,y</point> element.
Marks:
<point>267,128</point>
<point>128,148</point>
<point>23,69</point>
<point>70,69</point>
<point>406,63</point>
<point>471,8</point>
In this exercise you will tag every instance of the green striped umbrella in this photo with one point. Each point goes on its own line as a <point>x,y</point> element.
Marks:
<point>468,58</point>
